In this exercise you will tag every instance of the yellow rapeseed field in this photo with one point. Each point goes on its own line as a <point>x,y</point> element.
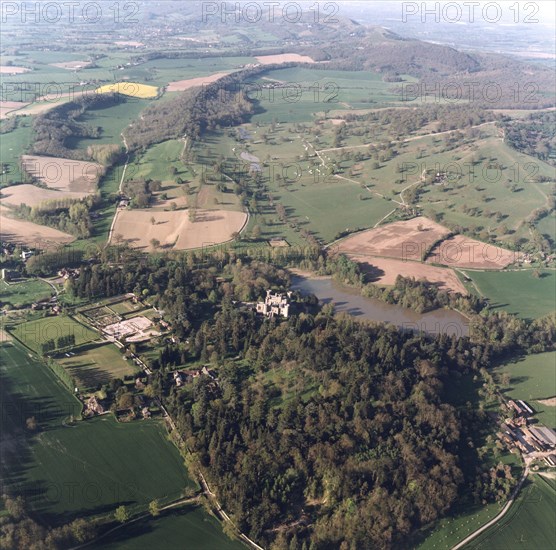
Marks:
<point>132,89</point>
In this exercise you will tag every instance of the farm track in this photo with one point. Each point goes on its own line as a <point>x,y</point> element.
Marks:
<point>110,232</point>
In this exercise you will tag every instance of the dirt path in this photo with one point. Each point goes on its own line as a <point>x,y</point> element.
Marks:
<point>420,180</point>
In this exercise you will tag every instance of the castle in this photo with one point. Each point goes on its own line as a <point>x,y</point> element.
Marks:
<point>275,304</point>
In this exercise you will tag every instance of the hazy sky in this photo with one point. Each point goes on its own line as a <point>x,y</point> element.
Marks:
<point>543,10</point>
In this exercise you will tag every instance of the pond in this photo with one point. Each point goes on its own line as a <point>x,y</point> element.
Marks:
<point>348,300</point>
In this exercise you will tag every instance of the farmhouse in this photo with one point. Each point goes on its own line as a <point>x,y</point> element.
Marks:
<point>275,304</point>
<point>520,407</point>
<point>93,406</point>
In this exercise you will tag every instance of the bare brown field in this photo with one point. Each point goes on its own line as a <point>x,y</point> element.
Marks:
<point>183,85</point>
<point>31,195</point>
<point>71,65</point>
<point>7,107</point>
<point>385,271</point>
<point>63,174</point>
<point>551,402</point>
<point>283,58</point>
<point>9,69</point>
<point>175,230</point>
<point>407,240</point>
<point>463,252</point>
<point>29,233</point>
<point>35,108</point>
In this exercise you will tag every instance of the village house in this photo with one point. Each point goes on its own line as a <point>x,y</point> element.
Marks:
<point>93,406</point>
<point>67,273</point>
<point>275,304</point>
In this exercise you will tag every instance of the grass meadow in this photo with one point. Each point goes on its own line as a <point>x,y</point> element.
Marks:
<point>14,144</point>
<point>24,293</point>
<point>96,364</point>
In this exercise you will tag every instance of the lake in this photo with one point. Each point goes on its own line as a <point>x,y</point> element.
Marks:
<point>348,300</point>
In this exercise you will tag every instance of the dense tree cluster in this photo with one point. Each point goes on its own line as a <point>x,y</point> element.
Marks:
<point>18,530</point>
<point>71,216</point>
<point>48,263</point>
<point>535,135</point>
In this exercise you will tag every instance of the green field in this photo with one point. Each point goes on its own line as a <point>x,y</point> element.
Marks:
<point>189,527</point>
<point>24,293</point>
<point>96,364</point>
<point>312,91</point>
<point>35,333</point>
<point>87,468</point>
<point>531,378</point>
<point>536,296</point>
<point>528,524</point>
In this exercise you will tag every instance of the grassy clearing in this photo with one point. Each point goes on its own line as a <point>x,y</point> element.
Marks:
<point>24,293</point>
<point>188,526</point>
<point>36,333</point>
<point>14,143</point>
<point>531,378</point>
<point>490,187</point>
<point>113,120</point>
<point>94,365</point>
<point>160,162</point>
<point>84,469</point>
<point>536,296</point>
<point>529,522</point>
